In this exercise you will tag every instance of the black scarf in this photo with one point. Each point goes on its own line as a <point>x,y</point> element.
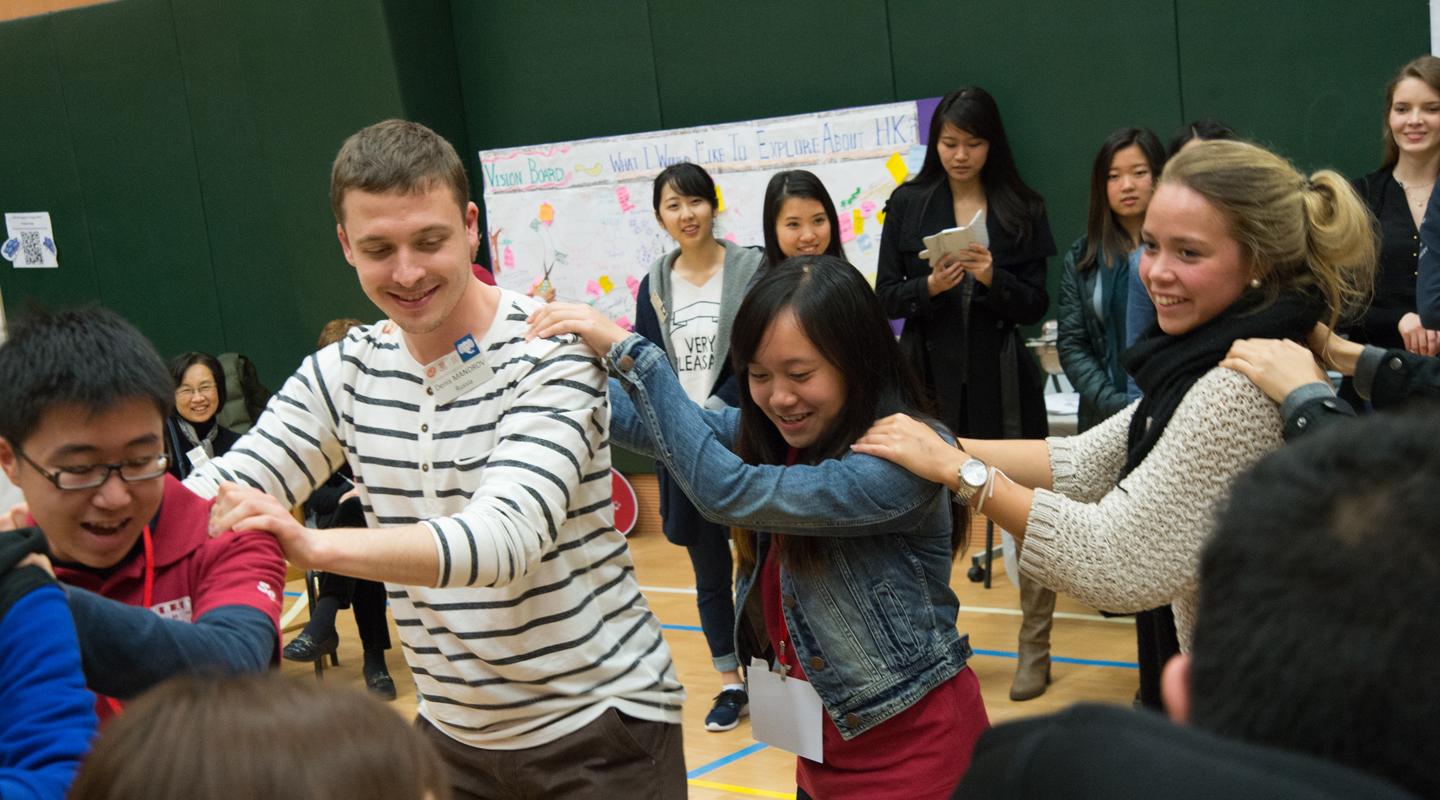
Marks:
<point>1165,367</point>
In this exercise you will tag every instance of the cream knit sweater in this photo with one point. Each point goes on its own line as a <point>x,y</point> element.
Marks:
<point>1137,546</point>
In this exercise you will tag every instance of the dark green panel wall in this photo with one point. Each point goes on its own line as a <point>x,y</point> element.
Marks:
<point>573,69</point>
<point>39,168</point>
<point>1060,88</point>
<point>1315,93</point>
<point>274,88</point>
<point>183,148</point>
<point>425,65</point>
<point>127,117</point>
<point>768,58</point>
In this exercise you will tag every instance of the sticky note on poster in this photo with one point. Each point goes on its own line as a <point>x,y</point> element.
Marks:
<point>623,195</point>
<point>593,289</point>
<point>547,213</point>
<point>606,284</point>
<point>720,198</point>
<point>859,226</point>
<point>634,287</point>
<point>29,240</point>
<point>897,168</point>
<point>847,228</point>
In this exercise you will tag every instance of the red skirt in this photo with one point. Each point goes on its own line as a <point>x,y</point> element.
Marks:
<point>919,753</point>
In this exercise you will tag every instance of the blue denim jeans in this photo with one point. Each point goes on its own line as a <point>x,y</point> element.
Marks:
<point>714,573</point>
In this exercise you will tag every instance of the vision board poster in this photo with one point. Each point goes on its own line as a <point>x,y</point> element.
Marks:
<point>583,210</point>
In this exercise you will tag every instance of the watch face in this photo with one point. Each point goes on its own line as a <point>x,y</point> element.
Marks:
<point>974,472</point>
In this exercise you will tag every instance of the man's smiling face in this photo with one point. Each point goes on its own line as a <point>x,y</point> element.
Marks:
<point>412,252</point>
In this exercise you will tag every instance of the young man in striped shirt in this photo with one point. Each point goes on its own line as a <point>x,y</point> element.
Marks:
<point>482,461</point>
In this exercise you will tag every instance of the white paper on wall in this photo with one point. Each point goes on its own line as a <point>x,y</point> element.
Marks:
<point>29,240</point>
<point>583,209</point>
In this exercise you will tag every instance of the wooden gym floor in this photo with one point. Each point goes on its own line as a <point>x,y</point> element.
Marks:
<point>1094,660</point>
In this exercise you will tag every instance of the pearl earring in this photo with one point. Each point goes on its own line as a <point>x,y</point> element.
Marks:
<point>1254,283</point>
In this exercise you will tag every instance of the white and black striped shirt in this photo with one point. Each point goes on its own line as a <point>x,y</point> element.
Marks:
<point>537,625</point>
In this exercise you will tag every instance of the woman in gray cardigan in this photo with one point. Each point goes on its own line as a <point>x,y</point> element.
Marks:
<point>709,275</point>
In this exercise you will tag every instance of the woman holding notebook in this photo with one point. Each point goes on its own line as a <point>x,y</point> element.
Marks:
<point>961,310</point>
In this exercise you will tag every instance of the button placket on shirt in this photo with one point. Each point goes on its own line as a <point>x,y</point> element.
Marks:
<point>425,451</point>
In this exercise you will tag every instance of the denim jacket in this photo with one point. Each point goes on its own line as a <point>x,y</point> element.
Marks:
<point>876,631</point>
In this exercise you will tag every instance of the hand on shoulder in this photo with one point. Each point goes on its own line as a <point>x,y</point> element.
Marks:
<point>1276,366</point>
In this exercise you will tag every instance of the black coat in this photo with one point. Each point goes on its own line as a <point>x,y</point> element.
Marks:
<point>1090,349</point>
<point>1095,751</point>
<point>1398,265</point>
<point>971,346</point>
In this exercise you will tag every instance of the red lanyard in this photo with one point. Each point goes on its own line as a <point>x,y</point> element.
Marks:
<point>147,595</point>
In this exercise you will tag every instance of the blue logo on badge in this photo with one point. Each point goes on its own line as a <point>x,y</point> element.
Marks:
<point>467,348</point>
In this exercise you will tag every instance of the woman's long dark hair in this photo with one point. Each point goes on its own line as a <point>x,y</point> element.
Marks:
<point>802,184</point>
<point>1205,129</point>
<point>1105,237</point>
<point>841,316</point>
<point>1012,202</point>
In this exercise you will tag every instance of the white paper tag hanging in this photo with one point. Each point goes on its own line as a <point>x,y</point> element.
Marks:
<point>785,712</point>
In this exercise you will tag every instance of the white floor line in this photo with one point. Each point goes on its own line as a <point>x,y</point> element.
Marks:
<point>1014,612</point>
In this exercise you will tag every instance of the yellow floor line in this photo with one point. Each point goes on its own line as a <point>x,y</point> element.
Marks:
<point>725,787</point>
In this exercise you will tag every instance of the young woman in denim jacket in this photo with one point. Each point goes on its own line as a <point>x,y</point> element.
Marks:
<point>845,559</point>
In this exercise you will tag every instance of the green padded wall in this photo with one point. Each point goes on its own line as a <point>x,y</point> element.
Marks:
<point>1315,94</point>
<point>574,70</point>
<point>40,169</point>
<point>183,148</point>
<point>274,88</point>
<point>768,58</point>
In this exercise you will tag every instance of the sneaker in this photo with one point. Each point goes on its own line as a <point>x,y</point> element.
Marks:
<point>730,706</point>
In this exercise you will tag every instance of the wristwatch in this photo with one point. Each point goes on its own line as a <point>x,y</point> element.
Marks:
<point>973,474</point>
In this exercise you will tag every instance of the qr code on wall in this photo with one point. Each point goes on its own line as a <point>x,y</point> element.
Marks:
<point>30,245</point>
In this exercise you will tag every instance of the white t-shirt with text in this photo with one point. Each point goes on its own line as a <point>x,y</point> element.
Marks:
<point>694,326</point>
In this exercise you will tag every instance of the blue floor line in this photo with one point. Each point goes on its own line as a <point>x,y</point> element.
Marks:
<point>1089,662</point>
<point>294,594</point>
<point>681,627</point>
<point>720,762</point>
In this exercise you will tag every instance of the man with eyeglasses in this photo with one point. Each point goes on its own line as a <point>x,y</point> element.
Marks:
<point>83,398</point>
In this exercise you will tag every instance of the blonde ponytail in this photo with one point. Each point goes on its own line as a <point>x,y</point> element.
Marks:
<point>1340,243</point>
<point>1296,232</point>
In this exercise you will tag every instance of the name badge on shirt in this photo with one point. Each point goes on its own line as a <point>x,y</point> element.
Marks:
<point>197,457</point>
<point>456,373</point>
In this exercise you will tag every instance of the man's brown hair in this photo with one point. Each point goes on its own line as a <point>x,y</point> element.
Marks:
<point>265,735</point>
<point>396,156</point>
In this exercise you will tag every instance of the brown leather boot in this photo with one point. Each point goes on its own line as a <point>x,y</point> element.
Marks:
<point>1033,672</point>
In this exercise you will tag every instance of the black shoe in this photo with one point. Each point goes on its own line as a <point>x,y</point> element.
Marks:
<point>303,648</point>
<point>730,706</point>
<point>380,683</point>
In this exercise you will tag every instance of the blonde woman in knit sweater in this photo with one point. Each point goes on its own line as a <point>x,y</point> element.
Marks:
<point>1236,241</point>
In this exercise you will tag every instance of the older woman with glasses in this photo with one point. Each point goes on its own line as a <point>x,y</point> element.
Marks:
<point>191,433</point>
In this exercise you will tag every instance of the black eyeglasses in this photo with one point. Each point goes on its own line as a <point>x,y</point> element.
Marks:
<point>92,475</point>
